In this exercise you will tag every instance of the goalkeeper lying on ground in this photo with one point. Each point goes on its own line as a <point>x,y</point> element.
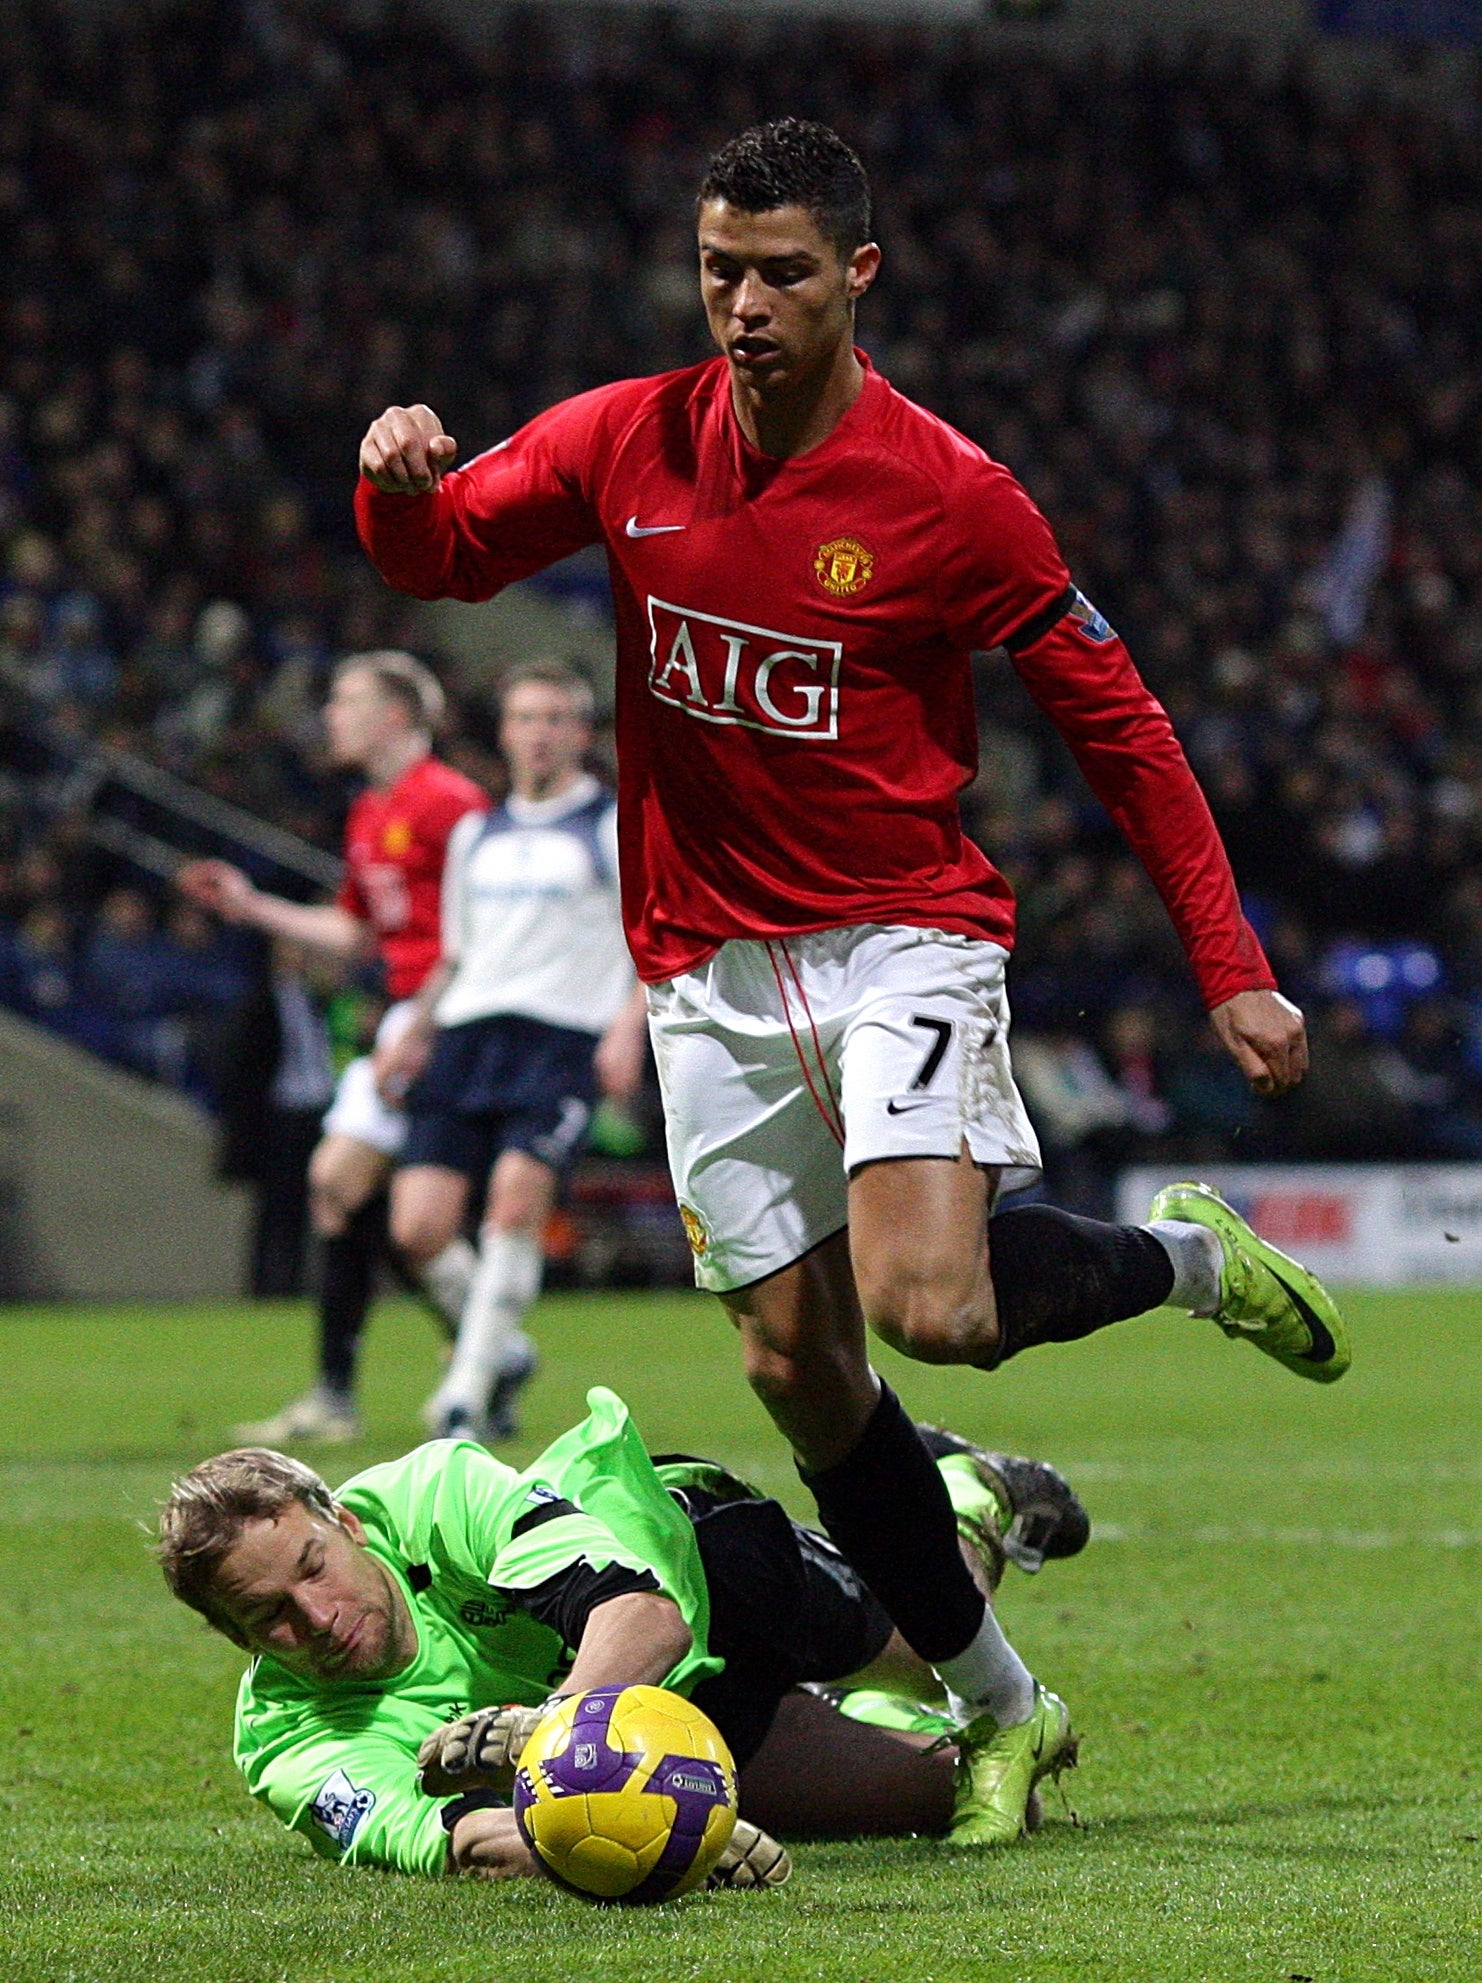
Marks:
<point>384,1619</point>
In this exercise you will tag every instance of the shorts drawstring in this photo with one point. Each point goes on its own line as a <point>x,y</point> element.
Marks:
<point>834,1122</point>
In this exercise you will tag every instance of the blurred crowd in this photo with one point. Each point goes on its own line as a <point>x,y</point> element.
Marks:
<point>1227,329</point>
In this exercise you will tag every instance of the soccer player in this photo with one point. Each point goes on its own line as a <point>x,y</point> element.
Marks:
<point>532,1008</point>
<point>423,1616</point>
<point>802,563</point>
<point>383,712</point>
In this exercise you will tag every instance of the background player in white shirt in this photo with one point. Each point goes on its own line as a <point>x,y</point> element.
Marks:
<point>534,1007</point>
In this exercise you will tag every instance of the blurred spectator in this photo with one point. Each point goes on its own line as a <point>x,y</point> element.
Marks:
<point>1081,1116</point>
<point>1360,1097</point>
<point>37,975</point>
<point>277,1080</point>
<point>150,999</point>
<point>1132,1052</point>
<point>1211,1102</point>
<point>1447,1089</point>
<point>124,966</point>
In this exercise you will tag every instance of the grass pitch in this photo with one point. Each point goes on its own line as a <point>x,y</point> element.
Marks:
<point>1270,1647</point>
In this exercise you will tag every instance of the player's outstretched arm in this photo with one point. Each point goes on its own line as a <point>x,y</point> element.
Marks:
<point>634,1640</point>
<point>488,1843</point>
<point>622,1049</point>
<point>405,451</point>
<point>230,894</point>
<point>1266,1037</point>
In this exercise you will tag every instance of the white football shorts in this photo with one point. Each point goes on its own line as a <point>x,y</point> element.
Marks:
<point>787,1063</point>
<point>357,1109</point>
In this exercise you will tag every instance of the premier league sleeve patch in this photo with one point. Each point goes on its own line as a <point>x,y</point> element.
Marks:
<point>1086,618</point>
<point>339,1808</point>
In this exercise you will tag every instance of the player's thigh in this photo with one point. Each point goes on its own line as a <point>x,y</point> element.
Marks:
<point>918,1229</point>
<point>819,1773</point>
<point>935,1126</point>
<point>754,1154</point>
<point>359,1112</point>
<point>541,1127</point>
<point>428,1205</point>
<point>807,1313</point>
<point>522,1193</point>
<point>345,1173</point>
<point>803,1340</point>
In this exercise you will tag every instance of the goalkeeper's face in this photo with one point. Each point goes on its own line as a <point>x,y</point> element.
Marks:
<point>305,1591</point>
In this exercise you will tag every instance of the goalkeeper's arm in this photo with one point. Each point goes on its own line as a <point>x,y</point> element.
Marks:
<point>630,1641</point>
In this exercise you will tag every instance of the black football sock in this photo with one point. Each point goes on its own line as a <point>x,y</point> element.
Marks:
<point>1058,1277</point>
<point>887,1508</point>
<point>347,1285</point>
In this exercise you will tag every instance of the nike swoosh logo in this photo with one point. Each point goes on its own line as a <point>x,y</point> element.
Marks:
<point>1323,1346</point>
<point>904,1108</point>
<point>637,529</point>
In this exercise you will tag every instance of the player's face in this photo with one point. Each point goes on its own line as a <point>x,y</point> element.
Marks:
<point>360,719</point>
<point>779,296</point>
<point>543,734</point>
<point>305,1591</point>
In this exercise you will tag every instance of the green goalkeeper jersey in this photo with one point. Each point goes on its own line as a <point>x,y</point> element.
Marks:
<point>336,1760</point>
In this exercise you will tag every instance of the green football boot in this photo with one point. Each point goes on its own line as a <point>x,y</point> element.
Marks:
<point>998,1768</point>
<point>880,1709</point>
<point>1265,1296</point>
<point>1007,1506</point>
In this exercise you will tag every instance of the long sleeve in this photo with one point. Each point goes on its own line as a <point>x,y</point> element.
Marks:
<point>347,1787</point>
<point>1002,582</point>
<point>511,511</point>
<point>1124,743</point>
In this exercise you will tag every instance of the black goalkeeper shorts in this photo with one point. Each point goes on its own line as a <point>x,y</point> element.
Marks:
<point>785,1607</point>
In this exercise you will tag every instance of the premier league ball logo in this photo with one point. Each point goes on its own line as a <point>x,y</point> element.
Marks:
<point>626,1793</point>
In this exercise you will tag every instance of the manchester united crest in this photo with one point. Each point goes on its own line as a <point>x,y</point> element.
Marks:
<point>694,1230</point>
<point>843,566</point>
<point>396,838</point>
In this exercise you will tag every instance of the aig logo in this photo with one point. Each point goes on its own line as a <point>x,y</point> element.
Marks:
<point>724,671</point>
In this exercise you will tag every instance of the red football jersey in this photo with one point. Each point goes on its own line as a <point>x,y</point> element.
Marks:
<point>395,843</point>
<point>794,697</point>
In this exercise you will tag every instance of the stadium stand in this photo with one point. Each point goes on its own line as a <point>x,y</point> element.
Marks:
<point>1224,327</point>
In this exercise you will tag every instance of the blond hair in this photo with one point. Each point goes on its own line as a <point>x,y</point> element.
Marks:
<point>208,1508</point>
<point>552,675</point>
<point>405,679</point>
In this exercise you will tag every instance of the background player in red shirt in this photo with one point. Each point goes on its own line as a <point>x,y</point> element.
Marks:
<point>802,563</point>
<point>383,710</point>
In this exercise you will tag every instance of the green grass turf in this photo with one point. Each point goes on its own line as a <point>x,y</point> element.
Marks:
<point>1271,1648</point>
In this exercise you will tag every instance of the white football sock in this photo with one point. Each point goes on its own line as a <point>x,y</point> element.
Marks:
<point>447,1278</point>
<point>1197,1258</point>
<point>505,1282</point>
<point>989,1675</point>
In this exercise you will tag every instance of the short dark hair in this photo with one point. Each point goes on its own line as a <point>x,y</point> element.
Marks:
<point>795,163</point>
<point>209,1507</point>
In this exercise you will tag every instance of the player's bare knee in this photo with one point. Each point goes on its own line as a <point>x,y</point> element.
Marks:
<point>935,1322</point>
<point>328,1215</point>
<point>418,1233</point>
<point>772,1375</point>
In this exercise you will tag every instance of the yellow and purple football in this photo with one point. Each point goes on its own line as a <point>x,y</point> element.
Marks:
<point>626,1794</point>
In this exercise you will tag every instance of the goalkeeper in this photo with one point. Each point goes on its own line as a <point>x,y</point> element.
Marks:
<point>408,1631</point>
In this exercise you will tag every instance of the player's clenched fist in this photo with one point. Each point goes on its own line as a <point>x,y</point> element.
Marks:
<point>218,886</point>
<point>406,451</point>
<point>476,1749</point>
